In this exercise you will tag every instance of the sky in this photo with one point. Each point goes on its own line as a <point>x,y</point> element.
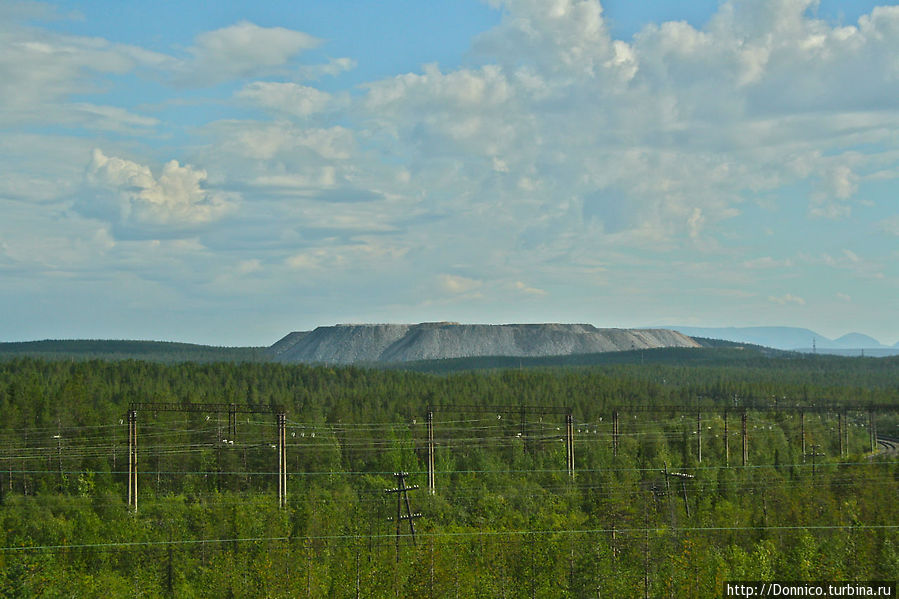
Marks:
<point>226,174</point>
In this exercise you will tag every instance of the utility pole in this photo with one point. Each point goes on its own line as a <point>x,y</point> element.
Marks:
<point>726,443</point>
<point>840,431</point>
<point>802,434</point>
<point>645,548</point>
<point>814,454</point>
<point>232,422</point>
<point>58,437</point>
<point>699,435</point>
<point>668,493</point>
<point>683,480</point>
<point>615,432</point>
<point>569,443</point>
<point>218,408</point>
<point>431,476</point>
<point>282,460</point>
<point>745,438</point>
<point>846,433</point>
<point>872,430</point>
<point>402,496</point>
<point>132,460</point>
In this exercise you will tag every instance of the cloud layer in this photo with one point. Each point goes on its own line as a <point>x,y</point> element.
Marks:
<point>557,174</point>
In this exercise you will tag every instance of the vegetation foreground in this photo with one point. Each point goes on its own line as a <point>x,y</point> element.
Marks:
<point>506,520</point>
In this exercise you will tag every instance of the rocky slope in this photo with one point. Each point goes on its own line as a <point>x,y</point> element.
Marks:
<point>369,343</point>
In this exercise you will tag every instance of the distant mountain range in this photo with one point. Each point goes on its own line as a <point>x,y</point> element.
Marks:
<point>392,343</point>
<point>794,339</point>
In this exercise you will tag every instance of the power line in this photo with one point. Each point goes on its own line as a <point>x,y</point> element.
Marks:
<point>459,534</point>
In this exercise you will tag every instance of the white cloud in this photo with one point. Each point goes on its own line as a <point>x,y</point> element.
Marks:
<point>308,260</point>
<point>457,284</point>
<point>245,267</point>
<point>554,35</point>
<point>40,71</point>
<point>695,222</point>
<point>555,149</point>
<point>286,146</point>
<point>239,51</point>
<point>287,98</point>
<point>175,198</point>
<point>837,185</point>
<point>849,261</point>
<point>788,298</point>
<point>332,257</point>
<point>526,289</point>
<point>332,68</point>
<point>678,125</point>
<point>767,262</point>
<point>890,226</point>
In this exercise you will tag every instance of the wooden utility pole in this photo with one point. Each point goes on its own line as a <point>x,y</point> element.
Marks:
<point>58,437</point>
<point>872,431</point>
<point>232,422</point>
<point>726,443</point>
<point>683,480</point>
<point>745,439</point>
<point>569,443</point>
<point>668,494</point>
<point>132,460</point>
<point>402,496</point>
<point>815,454</point>
<point>846,432</point>
<point>802,434</point>
<point>522,411</point>
<point>699,436</point>
<point>431,475</point>
<point>282,460</point>
<point>840,431</point>
<point>219,408</point>
<point>615,432</point>
<point>645,549</point>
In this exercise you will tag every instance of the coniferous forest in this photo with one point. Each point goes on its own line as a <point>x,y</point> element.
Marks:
<point>506,518</point>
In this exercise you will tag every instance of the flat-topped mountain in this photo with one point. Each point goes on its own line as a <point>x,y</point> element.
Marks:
<point>369,343</point>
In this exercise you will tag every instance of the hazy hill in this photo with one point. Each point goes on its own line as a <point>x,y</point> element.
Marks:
<point>389,343</point>
<point>792,338</point>
<point>857,340</point>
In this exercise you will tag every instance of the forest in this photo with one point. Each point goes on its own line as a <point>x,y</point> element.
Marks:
<point>812,497</point>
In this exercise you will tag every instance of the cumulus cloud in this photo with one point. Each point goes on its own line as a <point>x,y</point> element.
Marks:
<point>680,123</point>
<point>556,148</point>
<point>557,35</point>
<point>175,199</point>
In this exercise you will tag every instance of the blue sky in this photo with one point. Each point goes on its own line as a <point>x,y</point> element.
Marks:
<point>227,174</point>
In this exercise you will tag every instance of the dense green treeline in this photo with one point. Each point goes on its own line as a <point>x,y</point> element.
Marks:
<point>105,349</point>
<point>506,521</point>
